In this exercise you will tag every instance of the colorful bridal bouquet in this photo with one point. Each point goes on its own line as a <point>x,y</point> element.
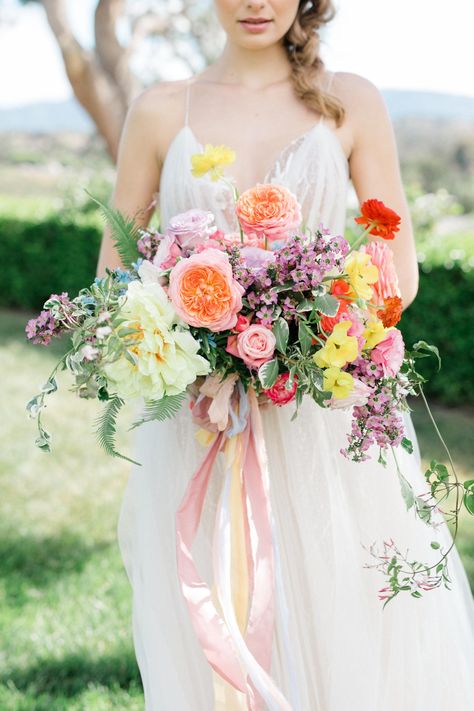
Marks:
<point>234,322</point>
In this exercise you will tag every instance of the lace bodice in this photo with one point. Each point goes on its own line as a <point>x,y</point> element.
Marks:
<point>313,166</point>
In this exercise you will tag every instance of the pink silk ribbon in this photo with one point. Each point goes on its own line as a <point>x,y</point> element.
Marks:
<point>241,659</point>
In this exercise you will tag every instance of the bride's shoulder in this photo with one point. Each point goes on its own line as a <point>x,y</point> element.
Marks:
<point>159,109</point>
<point>363,101</point>
<point>354,88</point>
<point>161,100</point>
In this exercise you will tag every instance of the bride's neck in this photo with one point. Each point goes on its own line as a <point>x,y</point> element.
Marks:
<point>252,68</point>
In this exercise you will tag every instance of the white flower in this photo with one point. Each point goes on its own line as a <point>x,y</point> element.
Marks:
<point>358,396</point>
<point>165,356</point>
<point>89,352</point>
<point>102,332</point>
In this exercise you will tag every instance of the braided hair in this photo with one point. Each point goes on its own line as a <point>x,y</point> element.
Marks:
<point>302,45</point>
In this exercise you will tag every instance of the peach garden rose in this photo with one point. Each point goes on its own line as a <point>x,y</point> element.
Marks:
<point>268,210</point>
<point>204,291</point>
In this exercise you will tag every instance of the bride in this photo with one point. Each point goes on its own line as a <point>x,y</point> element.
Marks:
<point>291,121</point>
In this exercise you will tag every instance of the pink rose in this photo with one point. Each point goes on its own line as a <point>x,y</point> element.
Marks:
<point>358,396</point>
<point>204,291</point>
<point>167,253</point>
<point>389,352</point>
<point>255,345</point>
<point>279,393</point>
<point>211,242</point>
<point>191,227</point>
<point>387,284</point>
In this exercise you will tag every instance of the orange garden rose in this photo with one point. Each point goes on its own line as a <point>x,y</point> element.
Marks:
<point>384,221</point>
<point>268,210</point>
<point>392,312</point>
<point>204,292</point>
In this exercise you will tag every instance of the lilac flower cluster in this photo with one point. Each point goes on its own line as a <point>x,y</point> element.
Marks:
<point>148,243</point>
<point>42,328</point>
<point>300,264</point>
<point>378,421</point>
<point>52,321</point>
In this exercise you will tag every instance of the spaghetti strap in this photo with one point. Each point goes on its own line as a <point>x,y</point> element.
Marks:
<point>186,110</point>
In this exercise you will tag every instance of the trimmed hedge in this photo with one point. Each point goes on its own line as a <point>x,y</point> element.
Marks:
<point>57,255</point>
<point>40,258</point>
<point>443,314</point>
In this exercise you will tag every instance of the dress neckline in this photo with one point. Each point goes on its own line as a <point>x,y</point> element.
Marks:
<point>301,138</point>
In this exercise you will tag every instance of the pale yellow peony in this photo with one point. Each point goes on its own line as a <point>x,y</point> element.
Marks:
<point>166,358</point>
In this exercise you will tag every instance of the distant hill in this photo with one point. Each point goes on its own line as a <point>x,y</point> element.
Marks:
<point>69,116</point>
<point>47,117</point>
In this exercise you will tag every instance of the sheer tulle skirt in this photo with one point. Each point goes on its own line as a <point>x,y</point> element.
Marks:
<point>346,651</point>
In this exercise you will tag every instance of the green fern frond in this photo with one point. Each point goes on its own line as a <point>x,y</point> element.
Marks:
<point>161,409</point>
<point>124,232</point>
<point>106,427</point>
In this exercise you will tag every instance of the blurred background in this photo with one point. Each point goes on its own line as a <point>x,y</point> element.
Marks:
<point>69,69</point>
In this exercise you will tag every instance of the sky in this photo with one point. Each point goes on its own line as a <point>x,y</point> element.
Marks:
<point>409,44</point>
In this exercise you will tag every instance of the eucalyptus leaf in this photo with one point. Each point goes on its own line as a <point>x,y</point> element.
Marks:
<point>326,304</point>
<point>305,337</point>
<point>424,346</point>
<point>407,491</point>
<point>268,373</point>
<point>281,332</point>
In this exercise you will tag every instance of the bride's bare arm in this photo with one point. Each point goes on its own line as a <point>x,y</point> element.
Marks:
<point>138,172</point>
<point>375,168</point>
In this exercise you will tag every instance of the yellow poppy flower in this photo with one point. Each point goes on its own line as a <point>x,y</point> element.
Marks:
<point>338,382</point>
<point>362,273</point>
<point>211,160</point>
<point>374,333</point>
<point>339,348</point>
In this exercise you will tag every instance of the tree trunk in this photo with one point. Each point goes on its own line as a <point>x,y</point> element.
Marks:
<point>91,83</point>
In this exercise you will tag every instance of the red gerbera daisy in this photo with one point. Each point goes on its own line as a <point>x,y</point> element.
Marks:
<point>384,221</point>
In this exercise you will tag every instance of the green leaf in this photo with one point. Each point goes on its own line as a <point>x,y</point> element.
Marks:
<point>435,545</point>
<point>468,499</point>
<point>305,305</point>
<point>407,445</point>
<point>423,346</point>
<point>106,425</point>
<point>326,304</point>
<point>407,491</point>
<point>268,373</point>
<point>305,337</point>
<point>469,484</point>
<point>281,332</point>
<point>50,386</point>
<point>125,232</point>
<point>162,409</point>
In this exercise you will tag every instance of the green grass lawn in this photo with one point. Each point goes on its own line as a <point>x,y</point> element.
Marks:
<point>65,633</point>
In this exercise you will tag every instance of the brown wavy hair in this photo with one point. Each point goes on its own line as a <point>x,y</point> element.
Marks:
<point>302,45</point>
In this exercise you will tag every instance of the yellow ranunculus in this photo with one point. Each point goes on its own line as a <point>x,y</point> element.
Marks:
<point>374,333</point>
<point>339,348</point>
<point>338,382</point>
<point>211,161</point>
<point>361,274</point>
<point>166,358</point>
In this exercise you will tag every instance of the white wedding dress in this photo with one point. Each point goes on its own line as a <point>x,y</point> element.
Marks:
<point>346,652</point>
